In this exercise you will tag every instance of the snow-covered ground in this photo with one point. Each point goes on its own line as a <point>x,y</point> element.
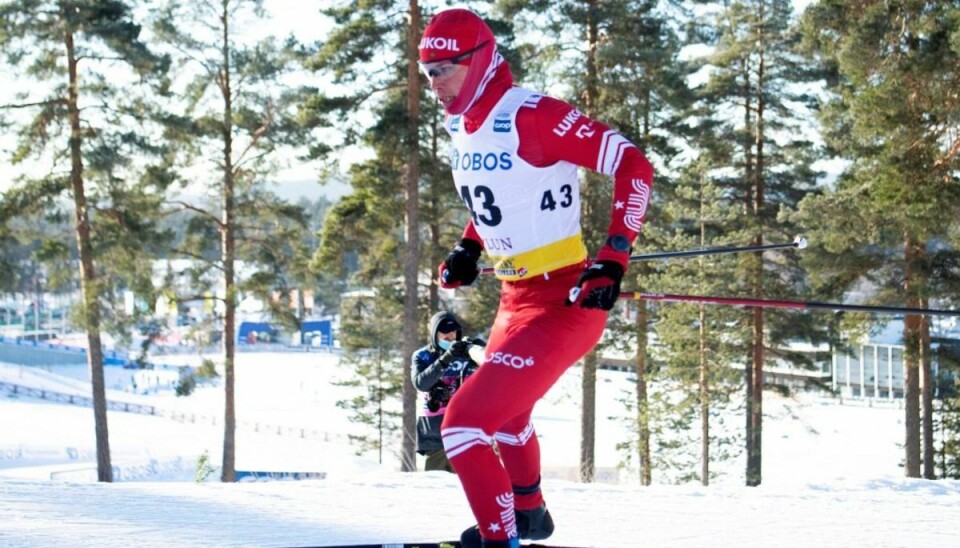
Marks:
<point>831,473</point>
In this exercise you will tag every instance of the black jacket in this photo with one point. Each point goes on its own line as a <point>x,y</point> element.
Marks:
<point>427,376</point>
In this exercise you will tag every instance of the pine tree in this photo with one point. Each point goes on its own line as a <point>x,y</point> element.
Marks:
<point>751,100</point>
<point>371,323</point>
<point>238,113</point>
<point>892,114</point>
<point>412,253</point>
<point>8,248</point>
<point>945,410</point>
<point>695,360</point>
<point>643,93</point>
<point>364,30</point>
<point>947,420</point>
<point>87,124</point>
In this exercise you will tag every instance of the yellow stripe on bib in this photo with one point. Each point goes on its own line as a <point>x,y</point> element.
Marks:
<point>550,257</point>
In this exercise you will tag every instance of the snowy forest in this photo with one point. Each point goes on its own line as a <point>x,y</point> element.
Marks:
<point>142,131</point>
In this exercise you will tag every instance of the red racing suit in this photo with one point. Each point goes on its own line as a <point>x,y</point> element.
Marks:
<point>515,156</point>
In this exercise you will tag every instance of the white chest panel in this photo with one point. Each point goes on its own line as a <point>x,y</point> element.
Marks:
<point>528,217</point>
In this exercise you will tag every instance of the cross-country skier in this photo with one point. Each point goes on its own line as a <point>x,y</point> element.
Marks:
<point>514,156</point>
<point>439,369</point>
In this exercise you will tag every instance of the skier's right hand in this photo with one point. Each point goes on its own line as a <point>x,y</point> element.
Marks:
<point>598,286</point>
<point>460,266</point>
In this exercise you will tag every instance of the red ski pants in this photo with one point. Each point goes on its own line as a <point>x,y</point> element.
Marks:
<point>535,338</point>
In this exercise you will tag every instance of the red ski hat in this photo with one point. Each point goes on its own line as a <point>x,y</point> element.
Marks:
<point>460,36</point>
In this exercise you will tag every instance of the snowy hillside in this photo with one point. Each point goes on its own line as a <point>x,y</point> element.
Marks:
<point>831,474</point>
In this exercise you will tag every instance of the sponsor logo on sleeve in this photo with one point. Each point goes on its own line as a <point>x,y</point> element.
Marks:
<point>567,123</point>
<point>636,205</point>
<point>454,124</point>
<point>586,130</point>
<point>502,123</point>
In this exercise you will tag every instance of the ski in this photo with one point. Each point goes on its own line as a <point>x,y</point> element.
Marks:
<point>397,545</point>
<point>448,544</point>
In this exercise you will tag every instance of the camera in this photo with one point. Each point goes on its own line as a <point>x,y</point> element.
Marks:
<point>439,395</point>
<point>468,347</point>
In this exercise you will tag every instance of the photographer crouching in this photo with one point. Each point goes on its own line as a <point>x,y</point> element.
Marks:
<point>439,369</point>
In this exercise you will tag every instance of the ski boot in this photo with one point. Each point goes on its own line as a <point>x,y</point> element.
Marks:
<point>535,524</point>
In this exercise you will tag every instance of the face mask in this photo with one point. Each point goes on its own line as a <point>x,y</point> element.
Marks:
<point>444,345</point>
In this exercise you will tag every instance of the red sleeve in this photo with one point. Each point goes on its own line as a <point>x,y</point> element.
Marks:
<point>553,131</point>
<point>470,233</point>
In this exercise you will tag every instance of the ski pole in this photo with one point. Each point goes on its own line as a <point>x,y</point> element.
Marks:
<point>770,303</point>
<point>798,243</point>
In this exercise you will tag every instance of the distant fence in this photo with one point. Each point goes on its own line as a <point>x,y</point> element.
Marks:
<point>74,399</point>
<point>22,351</point>
<point>134,471</point>
<point>179,416</point>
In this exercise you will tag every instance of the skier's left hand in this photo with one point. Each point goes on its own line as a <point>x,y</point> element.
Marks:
<point>598,286</point>
<point>460,266</point>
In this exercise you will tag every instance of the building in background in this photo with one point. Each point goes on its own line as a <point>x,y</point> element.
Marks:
<point>873,366</point>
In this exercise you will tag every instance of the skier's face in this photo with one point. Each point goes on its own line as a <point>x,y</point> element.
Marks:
<point>446,80</point>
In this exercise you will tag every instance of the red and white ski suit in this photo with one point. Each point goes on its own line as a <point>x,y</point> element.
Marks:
<point>515,155</point>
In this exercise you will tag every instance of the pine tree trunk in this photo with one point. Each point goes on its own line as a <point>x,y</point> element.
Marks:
<point>704,402</point>
<point>643,404</point>
<point>434,227</point>
<point>411,316</point>
<point>589,385</point>
<point>588,418</point>
<point>754,460</point>
<point>434,242</point>
<point>704,364</point>
<point>926,396</point>
<point>911,374</point>
<point>755,465</point>
<point>88,274</point>
<point>228,256</point>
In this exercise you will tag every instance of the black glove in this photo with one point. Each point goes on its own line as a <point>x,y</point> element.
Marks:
<point>447,357</point>
<point>460,266</point>
<point>439,395</point>
<point>459,348</point>
<point>598,286</point>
